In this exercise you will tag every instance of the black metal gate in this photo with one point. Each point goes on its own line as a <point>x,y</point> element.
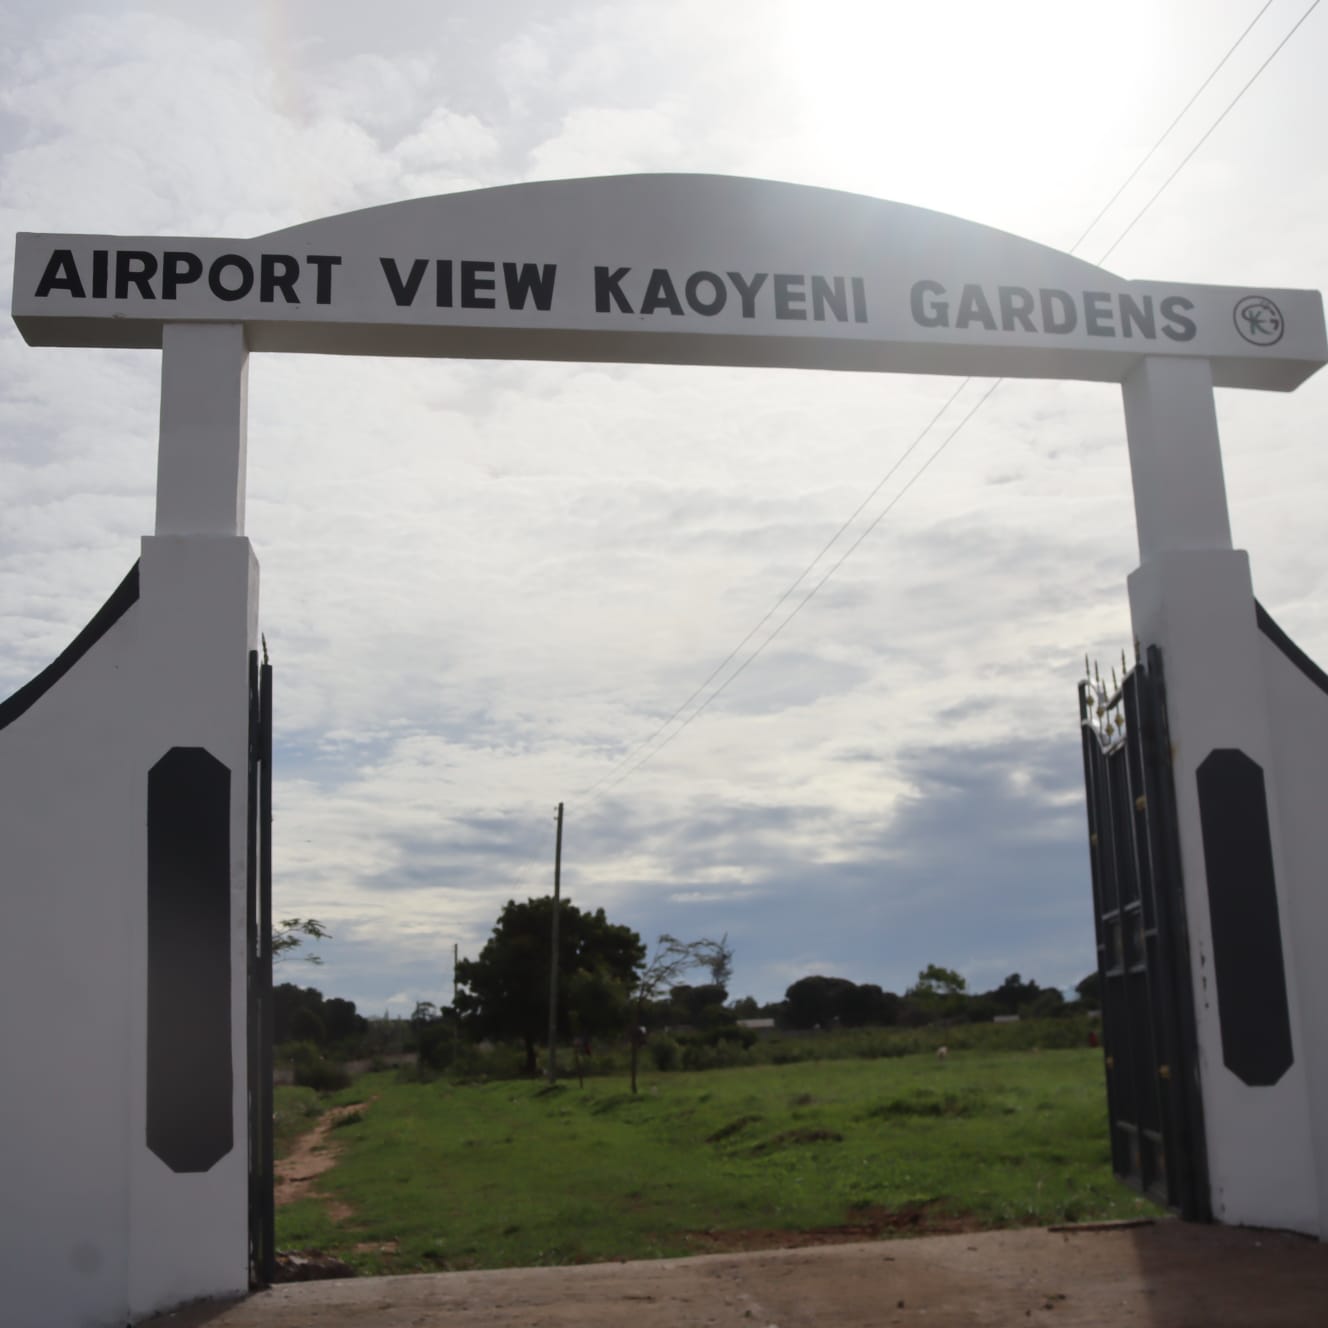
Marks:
<point>258,954</point>
<point>1148,1028</point>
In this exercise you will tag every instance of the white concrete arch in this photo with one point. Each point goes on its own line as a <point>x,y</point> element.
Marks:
<point>675,269</point>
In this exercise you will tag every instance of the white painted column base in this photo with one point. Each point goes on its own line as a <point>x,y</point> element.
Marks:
<point>1197,605</point>
<point>188,1234</point>
<point>99,1230</point>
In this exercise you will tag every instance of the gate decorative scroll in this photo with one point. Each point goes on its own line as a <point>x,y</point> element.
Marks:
<point>1148,1025</point>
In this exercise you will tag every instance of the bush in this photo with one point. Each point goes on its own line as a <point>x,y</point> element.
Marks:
<point>665,1052</point>
<point>721,1055</point>
<point>295,1053</point>
<point>322,1076</point>
<point>435,1045</point>
<point>485,1061</point>
<point>713,1037</point>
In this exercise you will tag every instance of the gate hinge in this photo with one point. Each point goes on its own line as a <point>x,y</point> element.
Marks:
<point>1140,803</point>
<point>1164,1072</point>
<point>1092,839</point>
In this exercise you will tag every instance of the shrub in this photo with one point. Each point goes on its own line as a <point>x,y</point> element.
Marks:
<point>722,1055</point>
<point>484,1061</point>
<point>665,1052</point>
<point>295,1053</point>
<point>713,1037</point>
<point>322,1076</point>
<point>436,1045</point>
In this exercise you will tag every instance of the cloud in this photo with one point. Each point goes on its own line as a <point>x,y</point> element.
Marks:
<point>485,584</point>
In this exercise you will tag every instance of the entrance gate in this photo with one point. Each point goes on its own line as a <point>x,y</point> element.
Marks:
<point>1148,1032</point>
<point>141,1195</point>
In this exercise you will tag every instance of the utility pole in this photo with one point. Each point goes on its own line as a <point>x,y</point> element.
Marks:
<point>456,1022</point>
<point>553,952</point>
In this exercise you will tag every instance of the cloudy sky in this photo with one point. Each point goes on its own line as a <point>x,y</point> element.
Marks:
<point>487,585</point>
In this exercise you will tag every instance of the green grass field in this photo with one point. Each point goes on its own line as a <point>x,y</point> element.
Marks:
<point>507,1174</point>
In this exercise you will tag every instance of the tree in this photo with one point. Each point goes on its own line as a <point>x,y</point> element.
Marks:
<point>815,1001</point>
<point>290,933</point>
<point>937,981</point>
<point>821,1002</point>
<point>1047,1004</point>
<point>596,1003</point>
<point>673,958</point>
<point>434,1040</point>
<point>867,1005</point>
<point>307,1026</point>
<point>1090,990</point>
<point>596,1007</point>
<point>505,992</point>
<point>342,1020</point>
<point>701,1007</point>
<point>939,993</point>
<point>1014,993</point>
<point>303,1014</point>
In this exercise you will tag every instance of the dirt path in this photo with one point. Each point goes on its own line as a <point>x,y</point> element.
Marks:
<point>313,1154</point>
<point>1169,1275</point>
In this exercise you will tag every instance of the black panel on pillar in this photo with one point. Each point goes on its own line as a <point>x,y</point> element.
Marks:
<point>189,1074</point>
<point>1247,931</point>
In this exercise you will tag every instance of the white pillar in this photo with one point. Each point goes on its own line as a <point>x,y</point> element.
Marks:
<point>188,1228</point>
<point>198,619</point>
<point>1192,597</point>
<point>1180,496</point>
<point>204,405</point>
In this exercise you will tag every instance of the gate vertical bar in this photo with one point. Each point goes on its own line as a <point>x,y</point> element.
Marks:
<point>268,1259</point>
<point>253,1001</point>
<point>1186,1098</point>
<point>1098,806</point>
<point>1148,1026</point>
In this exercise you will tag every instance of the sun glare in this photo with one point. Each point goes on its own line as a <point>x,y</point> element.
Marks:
<point>965,106</point>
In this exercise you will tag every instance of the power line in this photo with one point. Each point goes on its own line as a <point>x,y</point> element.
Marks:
<point>867,530</point>
<point>649,755</point>
<point>1166,133</point>
<point>1184,161</point>
<point>609,779</point>
<point>608,776</point>
<point>770,612</point>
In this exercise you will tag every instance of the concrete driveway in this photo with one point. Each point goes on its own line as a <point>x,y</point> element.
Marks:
<point>1168,1275</point>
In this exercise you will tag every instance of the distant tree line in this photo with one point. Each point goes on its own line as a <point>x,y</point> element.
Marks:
<point>939,995</point>
<point>611,988</point>
<point>303,1014</point>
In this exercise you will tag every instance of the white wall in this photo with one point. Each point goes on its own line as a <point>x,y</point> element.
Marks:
<point>1198,606</point>
<point>1298,714</point>
<point>98,1229</point>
